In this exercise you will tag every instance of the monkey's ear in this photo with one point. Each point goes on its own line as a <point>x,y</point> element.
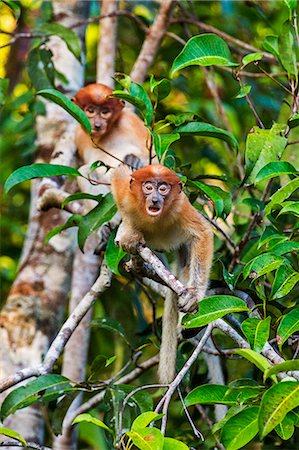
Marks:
<point>181,185</point>
<point>131,180</point>
<point>123,103</point>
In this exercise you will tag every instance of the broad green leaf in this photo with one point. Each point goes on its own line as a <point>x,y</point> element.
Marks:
<point>139,92</point>
<point>257,332</point>
<point>286,50</point>
<point>244,90</point>
<point>160,88</point>
<point>261,265</point>
<point>139,104</point>
<point>288,325</point>
<point>37,171</point>
<point>102,213</point>
<point>26,395</point>
<point>14,435</point>
<point>72,221</point>
<point>206,129</point>
<point>271,45</point>
<point>113,254</point>
<point>275,169</point>
<point>40,68</point>
<point>286,427</point>
<point>294,120</point>
<point>258,360</point>
<point>88,418</point>
<point>290,208</point>
<point>270,235</point>
<point>147,438</point>
<point>220,198</point>
<point>283,193</point>
<point>285,280</point>
<point>81,196</point>
<point>232,411</point>
<point>291,4</point>
<point>210,394</point>
<point>281,248</point>
<point>145,419</point>
<point>173,444</point>
<point>163,141</point>
<point>247,59</point>
<point>276,403</point>
<point>285,366</point>
<point>66,34</point>
<point>179,119</point>
<point>212,308</point>
<point>203,50</point>
<point>62,100</point>
<point>240,429</point>
<point>110,324</point>
<point>262,147</point>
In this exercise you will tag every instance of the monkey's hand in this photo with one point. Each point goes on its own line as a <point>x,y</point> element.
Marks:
<point>187,302</point>
<point>128,239</point>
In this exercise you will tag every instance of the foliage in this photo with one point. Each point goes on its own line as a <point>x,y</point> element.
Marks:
<point>237,157</point>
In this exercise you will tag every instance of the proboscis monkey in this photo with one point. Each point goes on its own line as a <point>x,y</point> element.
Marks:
<point>155,211</point>
<point>116,133</point>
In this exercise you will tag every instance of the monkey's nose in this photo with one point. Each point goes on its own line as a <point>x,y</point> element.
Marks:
<point>97,126</point>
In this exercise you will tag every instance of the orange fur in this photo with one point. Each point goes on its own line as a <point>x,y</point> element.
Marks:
<point>164,222</point>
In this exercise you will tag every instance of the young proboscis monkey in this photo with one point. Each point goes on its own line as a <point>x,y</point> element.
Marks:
<point>116,132</point>
<point>155,211</point>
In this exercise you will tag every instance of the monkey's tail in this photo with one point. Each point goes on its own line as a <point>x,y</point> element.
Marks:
<point>166,370</point>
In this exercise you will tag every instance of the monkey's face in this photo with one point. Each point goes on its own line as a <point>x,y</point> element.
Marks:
<point>102,116</point>
<point>156,193</point>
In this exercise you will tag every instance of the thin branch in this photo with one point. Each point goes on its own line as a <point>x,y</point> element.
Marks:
<point>29,445</point>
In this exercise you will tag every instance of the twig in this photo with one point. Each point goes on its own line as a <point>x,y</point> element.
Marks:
<point>19,444</point>
<point>164,402</point>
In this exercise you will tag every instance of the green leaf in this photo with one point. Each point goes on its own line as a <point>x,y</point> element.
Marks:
<point>40,68</point>
<point>179,119</point>
<point>251,57</point>
<point>294,120</point>
<point>88,418</point>
<point>143,420</point>
<point>139,104</point>
<point>257,332</point>
<point>286,427</point>
<point>113,254</point>
<point>244,90</point>
<point>72,221</point>
<point>276,403</point>
<point>173,444</point>
<point>262,147</point>
<point>220,198</point>
<point>283,193</point>
<point>261,265</point>
<point>212,308</point>
<point>285,280</point>
<point>66,34</point>
<point>163,141</point>
<point>288,325</point>
<point>286,50</point>
<point>291,4</point>
<point>210,394</point>
<point>160,88</point>
<point>258,360</point>
<point>282,248</point>
<point>62,100</point>
<point>290,208</point>
<point>102,213</point>
<point>81,196</point>
<point>26,395</point>
<point>139,92</point>
<point>206,129</point>
<point>240,429</point>
<point>4,84</point>
<point>110,324</point>
<point>203,50</point>
<point>147,438</point>
<point>275,169</point>
<point>37,171</point>
<point>271,45</point>
<point>285,366</point>
<point>14,435</point>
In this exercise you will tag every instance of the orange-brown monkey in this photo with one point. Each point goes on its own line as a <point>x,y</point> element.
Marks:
<point>116,133</point>
<point>156,211</point>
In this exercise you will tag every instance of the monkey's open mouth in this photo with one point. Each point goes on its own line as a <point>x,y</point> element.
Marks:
<point>153,210</point>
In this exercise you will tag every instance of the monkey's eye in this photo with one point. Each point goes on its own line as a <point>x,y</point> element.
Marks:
<point>90,110</point>
<point>148,187</point>
<point>164,189</point>
<point>105,113</point>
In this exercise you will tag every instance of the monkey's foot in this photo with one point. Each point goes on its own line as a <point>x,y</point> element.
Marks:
<point>187,302</point>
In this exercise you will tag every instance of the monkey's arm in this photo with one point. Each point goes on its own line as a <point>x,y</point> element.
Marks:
<point>128,238</point>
